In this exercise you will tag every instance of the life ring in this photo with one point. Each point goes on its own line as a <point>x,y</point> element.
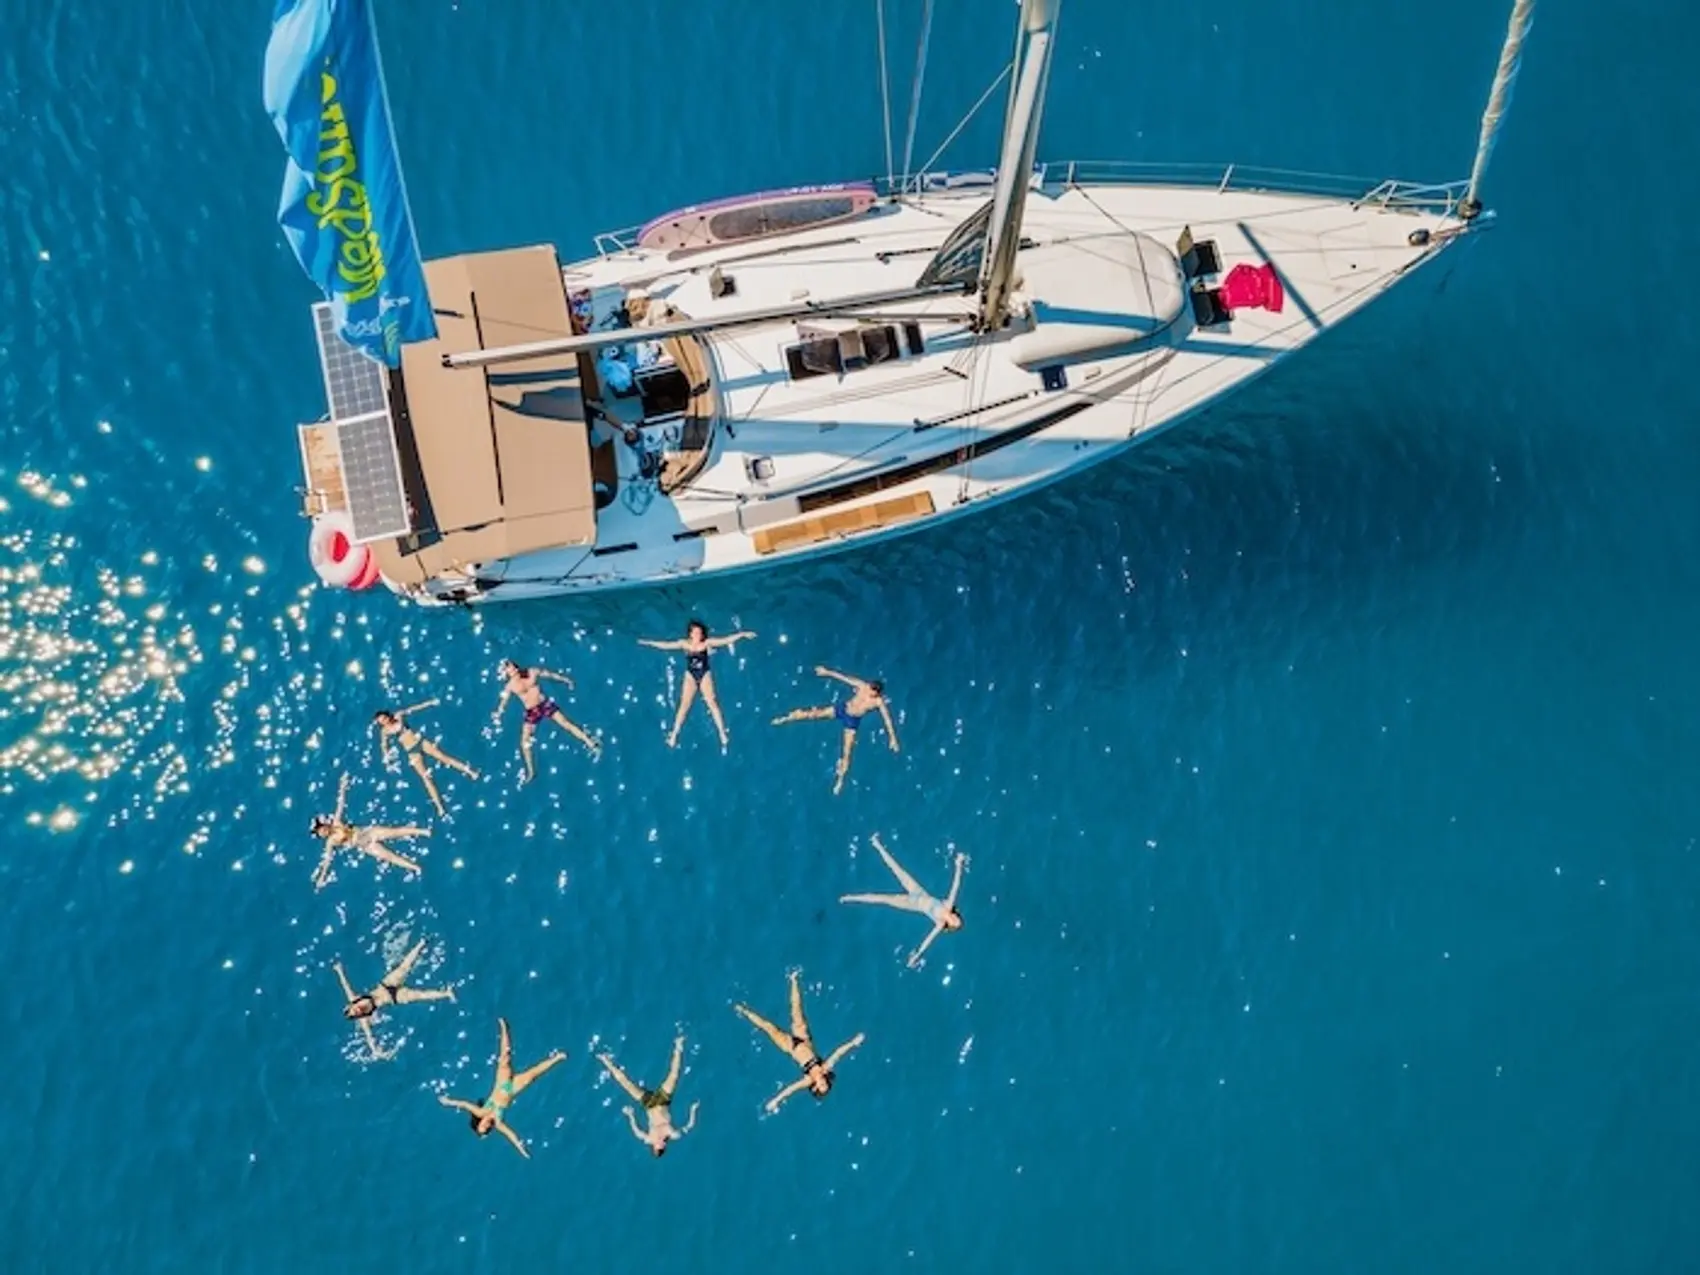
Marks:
<point>370,576</point>
<point>336,558</point>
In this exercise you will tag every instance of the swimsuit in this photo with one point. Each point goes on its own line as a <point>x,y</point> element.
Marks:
<point>696,663</point>
<point>655,1098</point>
<point>814,1062</point>
<point>845,718</point>
<point>541,711</point>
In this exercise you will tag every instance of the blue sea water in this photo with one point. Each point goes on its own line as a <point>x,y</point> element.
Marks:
<point>1326,768</point>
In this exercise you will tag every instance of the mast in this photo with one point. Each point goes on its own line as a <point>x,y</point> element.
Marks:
<point>1015,163</point>
<point>1499,101</point>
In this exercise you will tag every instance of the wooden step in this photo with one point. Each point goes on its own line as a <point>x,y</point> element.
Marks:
<point>321,461</point>
<point>846,522</point>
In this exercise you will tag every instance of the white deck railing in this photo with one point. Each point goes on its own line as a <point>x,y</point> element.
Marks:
<point>1442,198</point>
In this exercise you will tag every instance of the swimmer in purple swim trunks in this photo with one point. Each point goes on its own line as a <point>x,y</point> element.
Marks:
<point>527,684</point>
<point>864,698</point>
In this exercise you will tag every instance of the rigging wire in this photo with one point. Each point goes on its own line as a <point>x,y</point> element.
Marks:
<point>885,90</point>
<point>963,122</point>
<point>920,81</point>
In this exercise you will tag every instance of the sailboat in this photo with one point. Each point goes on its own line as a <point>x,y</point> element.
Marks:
<point>763,380</point>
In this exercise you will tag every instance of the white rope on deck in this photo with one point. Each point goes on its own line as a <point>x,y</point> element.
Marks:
<point>1499,101</point>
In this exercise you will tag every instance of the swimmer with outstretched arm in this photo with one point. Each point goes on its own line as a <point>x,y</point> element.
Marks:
<point>392,989</point>
<point>338,834</point>
<point>865,697</point>
<point>656,1103</point>
<point>393,728</point>
<point>527,684</point>
<point>508,1086</point>
<point>799,1043</point>
<point>697,646</point>
<point>941,912</point>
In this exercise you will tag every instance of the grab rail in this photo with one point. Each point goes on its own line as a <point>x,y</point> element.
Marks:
<point>1442,198</point>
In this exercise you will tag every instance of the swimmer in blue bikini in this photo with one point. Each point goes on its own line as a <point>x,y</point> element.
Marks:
<point>508,1086</point>
<point>941,912</point>
<point>527,684</point>
<point>865,698</point>
<point>697,645</point>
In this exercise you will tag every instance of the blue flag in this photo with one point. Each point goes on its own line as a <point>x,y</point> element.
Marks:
<point>344,209</point>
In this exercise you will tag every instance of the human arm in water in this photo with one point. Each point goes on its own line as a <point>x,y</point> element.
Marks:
<point>740,636</point>
<point>550,675</point>
<point>690,1122</point>
<point>511,1136</point>
<point>945,909</point>
<point>790,1091</point>
<point>838,1055</point>
<point>890,726</point>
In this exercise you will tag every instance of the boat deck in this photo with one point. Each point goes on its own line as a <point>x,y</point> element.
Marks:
<point>792,464</point>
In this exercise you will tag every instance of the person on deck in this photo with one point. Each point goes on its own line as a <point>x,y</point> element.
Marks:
<point>656,1103</point>
<point>392,989</point>
<point>865,698</point>
<point>526,683</point>
<point>941,912</point>
<point>393,727</point>
<point>697,646</point>
<point>488,1115</point>
<point>338,834</point>
<point>799,1043</point>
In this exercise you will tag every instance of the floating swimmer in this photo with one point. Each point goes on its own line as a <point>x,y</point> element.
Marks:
<point>697,645</point>
<point>391,990</point>
<point>508,1086</point>
<point>942,913</point>
<point>818,1073</point>
<point>527,684</point>
<point>339,834</point>
<point>393,727</point>
<point>865,698</point>
<point>655,1102</point>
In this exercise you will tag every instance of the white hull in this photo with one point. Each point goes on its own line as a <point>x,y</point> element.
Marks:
<point>942,432</point>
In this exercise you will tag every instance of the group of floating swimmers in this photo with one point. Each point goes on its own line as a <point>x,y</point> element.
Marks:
<point>525,684</point>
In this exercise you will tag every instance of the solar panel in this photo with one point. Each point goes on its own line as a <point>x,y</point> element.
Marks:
<point>371,476</point>
<point>354,384</point>
<point>357,389</point>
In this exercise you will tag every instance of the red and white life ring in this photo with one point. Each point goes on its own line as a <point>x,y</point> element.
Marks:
<point>339,562</point>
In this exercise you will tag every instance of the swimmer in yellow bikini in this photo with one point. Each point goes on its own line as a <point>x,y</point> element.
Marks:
<point>393,727</point>
<point>508,1086</point>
